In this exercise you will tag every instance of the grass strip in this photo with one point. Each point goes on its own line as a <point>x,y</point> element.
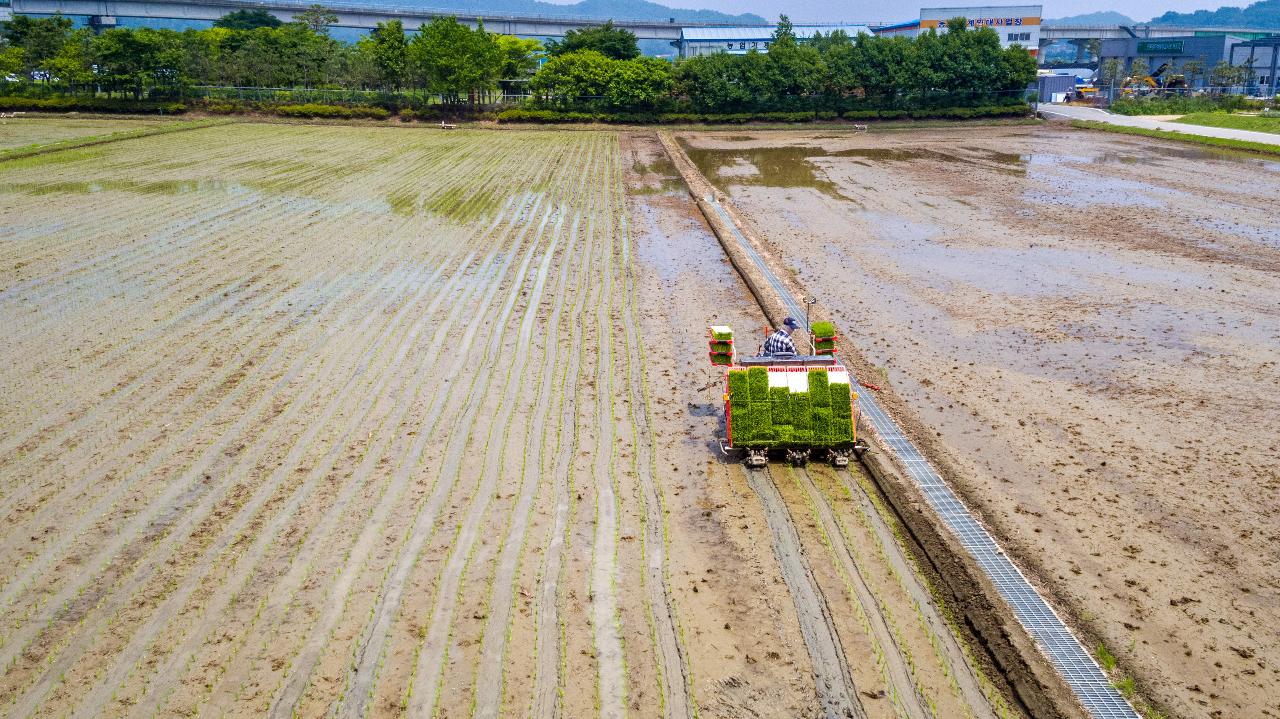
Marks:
<point>721,336</point>
<point>1219,142</point>
<point>724,347</point>
<point>824,329</point>
<point>31,150</point>
<point>1254,123</point>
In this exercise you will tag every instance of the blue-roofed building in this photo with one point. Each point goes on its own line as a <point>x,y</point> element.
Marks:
<point>742,40</point>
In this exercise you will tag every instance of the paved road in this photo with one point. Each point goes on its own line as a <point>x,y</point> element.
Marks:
<point>1089,113</point>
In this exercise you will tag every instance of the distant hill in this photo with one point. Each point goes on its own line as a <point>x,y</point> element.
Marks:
<point>602,9</point>
<point>1263,15</point>
<point>1109,17</point>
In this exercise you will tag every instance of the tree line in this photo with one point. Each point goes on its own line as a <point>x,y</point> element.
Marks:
<point>592,69</point>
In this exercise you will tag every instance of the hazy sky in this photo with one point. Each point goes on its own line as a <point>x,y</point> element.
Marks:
<point>869,10</point>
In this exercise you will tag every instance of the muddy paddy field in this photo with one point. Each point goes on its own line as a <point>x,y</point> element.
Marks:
<point>385,421</point>
<point>1084,331</point>
<point>308,420</point>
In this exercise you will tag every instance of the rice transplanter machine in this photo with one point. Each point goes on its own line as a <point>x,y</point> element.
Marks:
<point>789,405</point>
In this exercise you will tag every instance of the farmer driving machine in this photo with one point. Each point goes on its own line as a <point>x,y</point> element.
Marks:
<point>788,405</point>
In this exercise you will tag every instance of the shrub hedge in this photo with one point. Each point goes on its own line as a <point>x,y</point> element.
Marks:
<point>89,104</point>
<point>1182,104</point>
<point>522,115</point>
<point>332,111</point>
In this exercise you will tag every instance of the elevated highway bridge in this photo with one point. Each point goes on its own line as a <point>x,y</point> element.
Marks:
<point>350,15</point>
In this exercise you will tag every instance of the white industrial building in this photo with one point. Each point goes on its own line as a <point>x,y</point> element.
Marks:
<point>1015,24</point>
<point>742,40</point>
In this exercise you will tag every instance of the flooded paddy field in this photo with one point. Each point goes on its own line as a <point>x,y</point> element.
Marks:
<point>36,129</point>
<point>307,420</point>
<point>1083,330</point>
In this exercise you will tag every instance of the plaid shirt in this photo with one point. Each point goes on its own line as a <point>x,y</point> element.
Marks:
<point>779,341</point>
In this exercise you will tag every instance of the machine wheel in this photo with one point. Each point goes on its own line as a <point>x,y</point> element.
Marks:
<point>798,457</point>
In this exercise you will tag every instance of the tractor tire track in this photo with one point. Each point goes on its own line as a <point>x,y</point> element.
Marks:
<point>174,493</point>
<point>87,477</point>
<point>490,671</point>
<point>184,654</point>
<point>904,691</point>
<point>837,695</point>
<point>180,491</point>
<point>545,701</point>
<point>126,350</point>
<point>675,682</point>
<point>610,662</point>
<point>191,431</point>
<point>973,689</point>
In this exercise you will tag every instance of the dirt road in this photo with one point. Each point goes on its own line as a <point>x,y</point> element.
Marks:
<point>1083,329</point>
<point>378,421</point>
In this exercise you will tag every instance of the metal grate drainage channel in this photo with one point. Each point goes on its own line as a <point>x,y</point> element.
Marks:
<point>1068,656</point>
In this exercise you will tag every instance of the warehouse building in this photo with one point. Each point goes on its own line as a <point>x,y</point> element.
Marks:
<point>696,41</point>
<point>1168,55</point>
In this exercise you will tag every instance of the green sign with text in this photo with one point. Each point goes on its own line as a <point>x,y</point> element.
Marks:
<point>1160,47</point>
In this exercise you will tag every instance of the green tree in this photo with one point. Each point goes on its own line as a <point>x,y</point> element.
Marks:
<point>794,70</point>
<point>454,60</point>
<point>1224,74</point>
<point>610,41</point>
<point>1110,70</point>
<point>247,20</point>
<point>1139,70</point>
<point>11,61</point>
<point>75,62</point>
<point>135,60</point>
<point>784,32</point>
<point>1019,71</point>
<point>832,42</point>
<point>712,83</point>
<point>519,56</point>
<point>39,39</point>
<point>1193,69</point>
<point>318,18</point>
<point>576,76</point>
<point>642,83</point>
<point>388,51</point>
<point>882,68</point>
